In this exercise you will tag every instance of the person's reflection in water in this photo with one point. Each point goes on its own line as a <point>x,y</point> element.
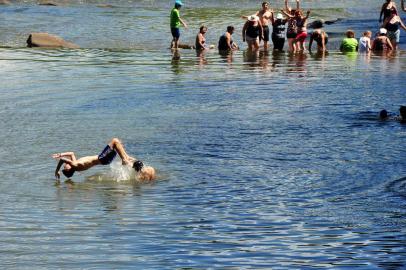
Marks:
<point>264,59</point>
<point>176,68</point>
<point>227,56</point>
<point>251,57</point>
<point>297,62</point>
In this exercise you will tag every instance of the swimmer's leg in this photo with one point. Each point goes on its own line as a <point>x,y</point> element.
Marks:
<point>119,148</point>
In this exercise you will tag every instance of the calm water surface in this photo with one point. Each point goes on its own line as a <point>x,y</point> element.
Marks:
<point>265,160</point>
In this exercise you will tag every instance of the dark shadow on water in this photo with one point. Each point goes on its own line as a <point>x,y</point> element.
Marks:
<point>397,187</point>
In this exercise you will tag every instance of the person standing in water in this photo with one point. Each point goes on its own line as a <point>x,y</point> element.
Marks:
<point>393,23</point>
<point>201,39</point>
<point>278,31</point>
<point>251,32</point>
<point>71,164</point>
<point>264,16</point>
<point>349,44</point>
<point>175,24</point>
<point>291,32</point>
<point>387,8</point>
<point>226,42</point>
<point>364,44</point>
<point>320,36</point>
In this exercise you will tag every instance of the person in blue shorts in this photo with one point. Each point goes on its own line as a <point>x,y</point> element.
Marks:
<point>175,23</point>
<point>71,164</point>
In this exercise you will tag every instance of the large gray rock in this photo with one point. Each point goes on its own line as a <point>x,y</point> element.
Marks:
<point>4,2</point>
<point>48,41</point>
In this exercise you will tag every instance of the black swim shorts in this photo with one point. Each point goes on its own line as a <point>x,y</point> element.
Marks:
<point>266,33</point>
<point>107,155</point>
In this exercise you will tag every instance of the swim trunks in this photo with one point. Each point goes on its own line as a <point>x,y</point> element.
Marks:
<point>265,28</point>
<point>394,35</point>
<point>175,32</point>
<point>107,155</point>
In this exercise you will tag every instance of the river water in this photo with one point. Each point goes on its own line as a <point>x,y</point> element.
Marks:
<point>265,161</point>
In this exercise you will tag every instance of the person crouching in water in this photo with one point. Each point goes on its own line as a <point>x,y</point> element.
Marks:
<point>226,42</point>
<point>364,44</point>
<point>349,43</point>
<point>320,36</point>
<point>278,31</point>
<point>382,43</point>
<point>201,39</point>
<point>251,32</point>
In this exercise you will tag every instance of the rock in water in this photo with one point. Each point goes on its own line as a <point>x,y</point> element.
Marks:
<point>4,2</point>
<point>48,41</point>
<point>47,3</point>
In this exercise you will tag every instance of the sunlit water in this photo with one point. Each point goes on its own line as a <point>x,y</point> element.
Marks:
<point>264,160</point>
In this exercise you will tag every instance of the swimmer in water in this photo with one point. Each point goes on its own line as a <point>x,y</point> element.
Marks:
<point>71,164</point>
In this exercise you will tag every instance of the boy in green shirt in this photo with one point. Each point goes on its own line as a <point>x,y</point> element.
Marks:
<point>349,44</point>
<point>176,21</point>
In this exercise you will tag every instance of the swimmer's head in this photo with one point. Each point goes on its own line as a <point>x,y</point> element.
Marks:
<point>383,114</point>
<point>147,173</point>
<point>265,5</point>
<point>203,29</point>
<point>68,171</point>
<point>402,111</point>
<point>230,29</point>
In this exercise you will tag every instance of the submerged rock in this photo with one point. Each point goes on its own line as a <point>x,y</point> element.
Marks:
<point>48,41</point>
<point>186,46</point>
<point>47,3</point>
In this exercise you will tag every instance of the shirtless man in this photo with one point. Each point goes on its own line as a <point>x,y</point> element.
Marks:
<point>71,164</point>
<point>265,16</point>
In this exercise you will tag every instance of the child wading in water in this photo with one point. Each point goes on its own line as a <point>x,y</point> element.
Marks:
<point>175,23</point>
<point>364,44</point>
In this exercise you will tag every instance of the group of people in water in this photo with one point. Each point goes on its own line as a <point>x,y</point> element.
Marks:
<point>291,25</point>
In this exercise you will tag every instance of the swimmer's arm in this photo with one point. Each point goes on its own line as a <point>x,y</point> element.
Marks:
<point>287,6</point>
<point>287,14</point>
<point>71,155</point>
<point>183,22</point>
<point>402,24</point>
<point>310,43</point>
<point>58,167</point>
<point>389,43</point>
<point>243,31</point>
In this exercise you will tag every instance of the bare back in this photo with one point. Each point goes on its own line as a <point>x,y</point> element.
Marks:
<point>85,163</point>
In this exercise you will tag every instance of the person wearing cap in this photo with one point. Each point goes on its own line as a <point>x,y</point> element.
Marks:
<point>320,36</point>
<point>71,164</point>
<point>393,23</point>
<point>382,43</point>
<point>278,31</point>
<point>349,43</point>
<point>264,16</point>
<point>175,23</point>
<point>251,32</point>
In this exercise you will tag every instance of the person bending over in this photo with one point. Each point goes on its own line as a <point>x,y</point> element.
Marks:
<point>71,164</point>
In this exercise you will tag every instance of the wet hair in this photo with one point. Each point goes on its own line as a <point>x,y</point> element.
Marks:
<point>318,24</point>
<point>264,3</point>
<point>230,28</point>
<point>383,114</point>
<point>350,34</point>
<point>402,111</point>
<point>68,173</point>
<point>366,33</point>
<point>202,27</point>
<point>292,11</point>
<point>138,165</point>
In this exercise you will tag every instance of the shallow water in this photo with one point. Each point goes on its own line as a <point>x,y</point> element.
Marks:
<point>265,160</point>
